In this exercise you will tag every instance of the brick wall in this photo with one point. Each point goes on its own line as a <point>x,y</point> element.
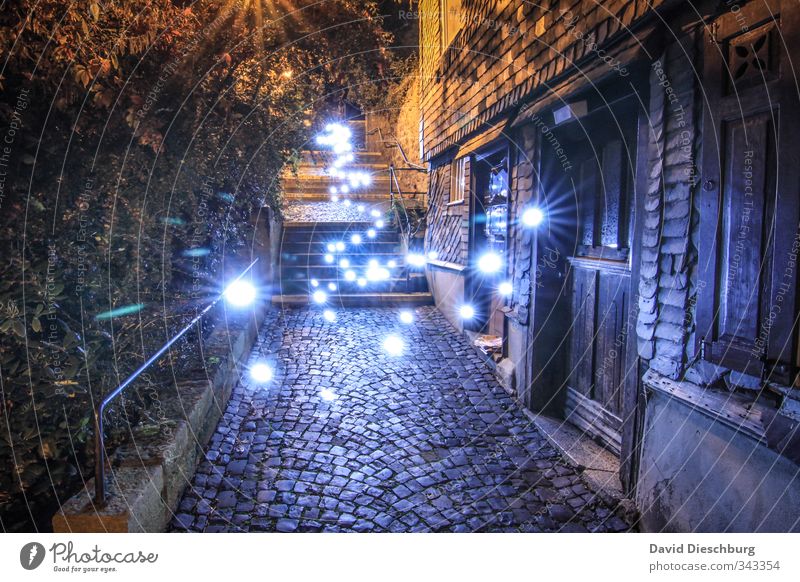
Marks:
<point>513,53</point>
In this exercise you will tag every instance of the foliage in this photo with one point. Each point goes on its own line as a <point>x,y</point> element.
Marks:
<point>144,135</point>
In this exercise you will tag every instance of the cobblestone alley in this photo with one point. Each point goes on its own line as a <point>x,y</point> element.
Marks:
<point>347,437</point>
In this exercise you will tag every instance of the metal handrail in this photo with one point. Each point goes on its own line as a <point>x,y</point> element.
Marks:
<point>396,143</point>
<point>395,184</point>
<point>99,438</point>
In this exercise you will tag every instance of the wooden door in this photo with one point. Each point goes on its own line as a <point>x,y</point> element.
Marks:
<point>597,192</point>
<point>601,282</point>
<point>748,200</point>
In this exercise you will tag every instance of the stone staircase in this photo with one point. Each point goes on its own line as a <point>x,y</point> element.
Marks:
<point>309,262</point>
<point>371,272</point>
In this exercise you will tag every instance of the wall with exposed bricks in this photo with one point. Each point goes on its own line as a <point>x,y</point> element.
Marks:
<point>506,52</point>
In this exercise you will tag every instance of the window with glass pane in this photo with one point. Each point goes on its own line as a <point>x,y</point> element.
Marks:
<point>458,179</point>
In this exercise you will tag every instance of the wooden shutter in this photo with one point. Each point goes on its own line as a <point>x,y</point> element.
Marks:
<point>749,193</point>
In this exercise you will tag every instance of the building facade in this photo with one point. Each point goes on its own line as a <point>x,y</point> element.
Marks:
<point>614,193</point>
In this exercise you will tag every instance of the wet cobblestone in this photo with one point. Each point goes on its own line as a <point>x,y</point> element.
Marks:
<point>349,438</point>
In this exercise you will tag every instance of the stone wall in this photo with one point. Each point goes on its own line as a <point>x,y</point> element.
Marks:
<point>398,122</point>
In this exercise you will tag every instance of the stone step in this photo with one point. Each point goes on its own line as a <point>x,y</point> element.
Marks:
<point>324,237</point>
<point>356,259</point>
<point>359,300</point>
<point>319,168</point>
<point>354,226</point>
<point>372,287</point>
<point>300,282</point>
<point>301,275</point>
<point>320,246</point>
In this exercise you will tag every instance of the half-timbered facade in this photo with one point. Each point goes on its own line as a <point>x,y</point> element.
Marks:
<point>634,166</point>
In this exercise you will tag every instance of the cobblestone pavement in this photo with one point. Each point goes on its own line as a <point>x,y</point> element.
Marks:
<point>330,211</point>
<point>349,438</point>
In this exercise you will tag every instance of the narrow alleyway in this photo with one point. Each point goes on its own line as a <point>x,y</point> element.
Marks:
<point>347,437</point>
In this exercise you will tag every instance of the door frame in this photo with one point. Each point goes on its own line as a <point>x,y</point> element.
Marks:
<point>633,398</point>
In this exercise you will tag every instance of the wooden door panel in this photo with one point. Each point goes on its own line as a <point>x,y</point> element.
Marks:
<point>611,340</point>
<point>744,199</point>
<point>584,306</point>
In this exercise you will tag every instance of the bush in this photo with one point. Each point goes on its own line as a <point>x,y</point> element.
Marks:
<point>143,136</point>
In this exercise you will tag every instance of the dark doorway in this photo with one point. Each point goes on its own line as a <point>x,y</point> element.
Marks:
<point>488,240</point>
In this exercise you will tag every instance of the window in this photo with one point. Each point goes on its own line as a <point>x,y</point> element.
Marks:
<point>458,180</point>
<point>452,20</point>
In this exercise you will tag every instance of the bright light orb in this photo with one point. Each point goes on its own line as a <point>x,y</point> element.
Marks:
<point>406,316</point>
<point>391,264</point>
<point>375,213</point>
<point>350,276</point>
<point>329,315</point>
<point>378,274</point>
<point>240,293</point>
<point>415,260</point>
<point>347,203</point>
<point>314,283</point>
<point>371,233</point>
<point>490,263</point>
<point>340,246</point>
<point>342,147</point>
<point>332,286</point>
<point>333,190</point>
<point>379,224</point>
<point>533,217</point>
<point>329,258</point>
<point>394,346</point>
<point>334,199</point>
<point>320,297</point>
<point>261,373</point>
<point>361,208</point>
<point>327,394</point>
<point>344,263</point>
<point>331,248</point>
<point>505,288</point>
<point>362,282</point>
<point>467,312</point>
<point>356,239</point>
